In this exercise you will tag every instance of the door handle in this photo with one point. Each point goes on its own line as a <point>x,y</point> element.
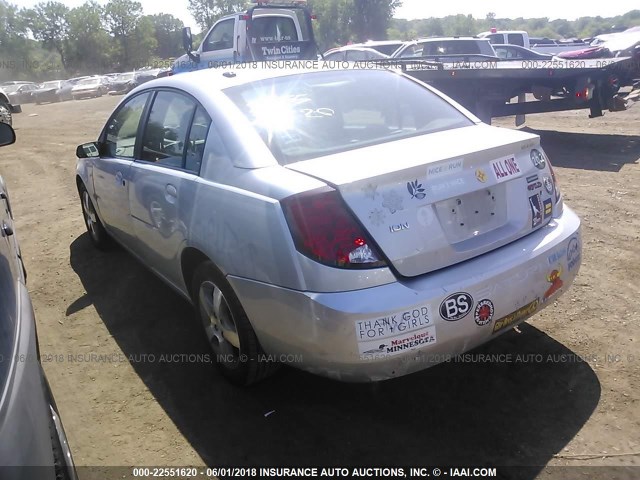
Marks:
<point>7,231</point>
<point>171,193</point>
<point>120,179</point>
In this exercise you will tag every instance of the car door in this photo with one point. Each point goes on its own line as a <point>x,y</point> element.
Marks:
<point>110,171</point>
<point>163,179</point>
<point>218,46</point>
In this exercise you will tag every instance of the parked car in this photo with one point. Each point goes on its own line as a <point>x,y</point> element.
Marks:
<point>351,53</point>
<point>123,83</point>
<point>515,52</point>
<point>312,220</point>
<point>7,109</point>
<point>52,91</point>
<point>31,432</point>
<point>20,93</point>
<point>447,49</point>
<point>89,88</point>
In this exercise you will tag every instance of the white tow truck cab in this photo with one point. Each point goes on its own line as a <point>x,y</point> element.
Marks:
<point>521,38</point>
<point>270,30</point>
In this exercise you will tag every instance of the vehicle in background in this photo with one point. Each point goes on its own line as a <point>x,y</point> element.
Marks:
<point>516,52</point>
<point>15,82</point>
<point>589,52</point>
<point>31,432</point>
<point>123,83</point>
<point>89,88</point>
<point>20,92</point>
<point>353,53</point>
<point>52,91</point>
<point>521,38</point>
<point>7,109</point>
<point>448,49</point>
<point>355,223</point>
<point>387,47</point>
<point>271,30</point>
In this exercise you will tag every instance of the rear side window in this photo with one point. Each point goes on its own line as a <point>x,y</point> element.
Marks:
<point>315,114</point>
<point>122,128</point>
<point>166,130</point>
<point>515,39</point>
<point>196,143</point>
<point>274,29</point>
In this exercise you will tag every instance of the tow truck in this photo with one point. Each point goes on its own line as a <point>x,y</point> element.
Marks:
<point>269,30</point>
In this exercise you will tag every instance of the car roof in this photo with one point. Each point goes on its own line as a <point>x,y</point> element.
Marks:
<point>223,78</point>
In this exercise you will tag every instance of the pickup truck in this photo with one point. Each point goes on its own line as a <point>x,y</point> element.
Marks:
<point>521,38</point>
<point>7,108</point>
<point>270,30</point>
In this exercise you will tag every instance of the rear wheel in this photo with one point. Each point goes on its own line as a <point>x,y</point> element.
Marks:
<point>237,351</point>
<point>5,113</point>
<point>99,236</point>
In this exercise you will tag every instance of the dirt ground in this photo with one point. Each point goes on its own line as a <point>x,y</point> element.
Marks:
<point>109,330</point>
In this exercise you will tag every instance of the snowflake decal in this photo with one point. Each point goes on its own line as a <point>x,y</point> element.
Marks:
<point>371,191</point>
<point>377,217</point>
<point>416,190</point>
<point>392,201</point>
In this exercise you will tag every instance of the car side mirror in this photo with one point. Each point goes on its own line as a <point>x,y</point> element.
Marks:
<point>88,150</point>
<point>187,44</point>
<point>7,134</point>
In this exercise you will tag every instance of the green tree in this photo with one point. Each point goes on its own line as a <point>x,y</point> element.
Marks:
<point>207,12</point>
<point>89,44</point>
<point>168,34</point>
<point>122,17</point>
<point>49,24</point>
<point>371,18</point>
<point>143,43</point>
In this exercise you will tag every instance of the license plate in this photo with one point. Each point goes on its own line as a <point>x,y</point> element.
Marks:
<point>473,214</point>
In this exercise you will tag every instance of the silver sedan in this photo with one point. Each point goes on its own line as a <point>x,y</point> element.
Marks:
<point>356,224</point>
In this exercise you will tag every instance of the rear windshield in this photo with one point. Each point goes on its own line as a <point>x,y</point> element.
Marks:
<point>309,115</point>
<point>271,29</point>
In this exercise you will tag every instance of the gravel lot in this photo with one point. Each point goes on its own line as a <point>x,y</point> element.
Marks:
<point>116,341</point>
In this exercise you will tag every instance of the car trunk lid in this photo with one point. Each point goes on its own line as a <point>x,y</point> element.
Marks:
<point>439,199</point>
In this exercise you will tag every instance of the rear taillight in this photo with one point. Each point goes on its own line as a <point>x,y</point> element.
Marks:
<point>556,186</point>
<point>324,230</point>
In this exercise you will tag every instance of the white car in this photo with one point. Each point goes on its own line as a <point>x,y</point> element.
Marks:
<point>357,224</point>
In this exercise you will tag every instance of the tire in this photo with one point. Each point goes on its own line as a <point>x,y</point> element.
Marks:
<point>5,114</point>
<point>99,236</point>
<point>239,356</point>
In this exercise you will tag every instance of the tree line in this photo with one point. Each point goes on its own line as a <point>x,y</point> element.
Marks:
<point>583,27</point>
<point>52,40</point>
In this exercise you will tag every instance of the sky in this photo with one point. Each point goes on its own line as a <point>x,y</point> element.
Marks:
<point>413,9</point>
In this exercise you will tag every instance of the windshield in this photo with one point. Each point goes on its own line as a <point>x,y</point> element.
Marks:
<point>11,88</point>
<point>314,114</point>
<point>125,77</point>
<point>51,85</point>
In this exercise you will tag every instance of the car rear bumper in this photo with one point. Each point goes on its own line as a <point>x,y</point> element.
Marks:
<point>395,329</point>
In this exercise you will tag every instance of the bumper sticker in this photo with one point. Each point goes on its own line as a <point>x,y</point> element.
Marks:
<point>516,316</point>
<point>395,333</point>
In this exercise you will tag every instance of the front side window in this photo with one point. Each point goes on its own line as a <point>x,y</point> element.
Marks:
<point>314,114</point>
<point>221,37</point>
<point>165,133</point>
<point>122,128</point>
